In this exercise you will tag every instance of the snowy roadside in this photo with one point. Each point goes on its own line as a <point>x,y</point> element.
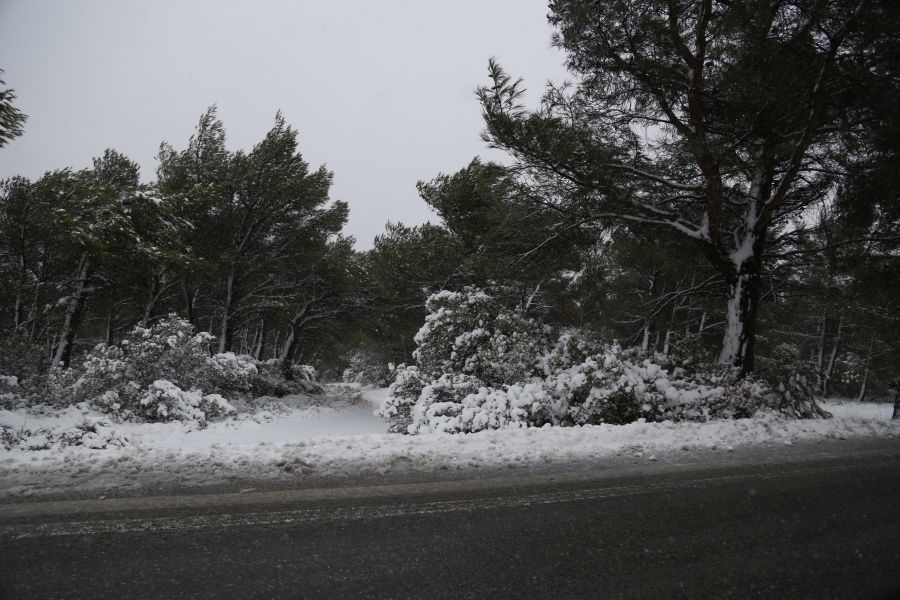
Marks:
<point>309,440</point>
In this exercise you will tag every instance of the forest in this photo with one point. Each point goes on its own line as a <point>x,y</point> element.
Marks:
<point>712,201</point>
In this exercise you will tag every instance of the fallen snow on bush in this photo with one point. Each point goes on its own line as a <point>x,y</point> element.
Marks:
<point>294,437</point>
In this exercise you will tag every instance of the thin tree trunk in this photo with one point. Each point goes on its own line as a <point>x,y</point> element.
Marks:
<point>832,358</point>
<point>73,314</point>
<point>158,287</point>
<point>896,415</point>
<point>820,352</point>
<point>225,333</point>
<point>260,340</point>
<point>288,351</point>
<point>190,299</point>
<point>865,380</point>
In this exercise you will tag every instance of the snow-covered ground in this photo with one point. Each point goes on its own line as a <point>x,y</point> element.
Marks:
<point>307,438</point>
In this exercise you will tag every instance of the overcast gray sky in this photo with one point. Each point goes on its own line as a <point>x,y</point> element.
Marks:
<point>380,91</point>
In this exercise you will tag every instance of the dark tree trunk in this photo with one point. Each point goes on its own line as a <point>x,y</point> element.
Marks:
<point>74,310</point>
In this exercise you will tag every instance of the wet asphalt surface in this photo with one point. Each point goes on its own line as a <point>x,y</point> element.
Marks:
<point>822,523</point>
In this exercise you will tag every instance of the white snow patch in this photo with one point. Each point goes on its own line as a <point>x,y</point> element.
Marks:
<point>350,441</point>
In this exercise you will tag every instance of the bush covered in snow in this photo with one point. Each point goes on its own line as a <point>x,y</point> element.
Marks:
<point>365,368</point>
<point>480,366</point>
<point>469,333</point>
<point>164,373</point>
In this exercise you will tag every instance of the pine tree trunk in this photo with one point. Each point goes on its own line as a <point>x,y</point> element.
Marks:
<point>190,299</point>
<point>73,315</point>
<point>158,286</point>
<point>109,327</point>
<point>288,351</point>
<point>820,351</point>
<point>225,333</point>
<point>740,324</point>
<point>832,358</point>
<point>744,287</point>
<point>260,340</point>
<point>896,415</point>
<point>865,380</point>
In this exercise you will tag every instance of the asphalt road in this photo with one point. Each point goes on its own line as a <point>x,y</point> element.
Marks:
<point>804,525</point>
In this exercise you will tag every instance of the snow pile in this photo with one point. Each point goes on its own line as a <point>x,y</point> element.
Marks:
<point>311,439</point>
<point>480,366</point>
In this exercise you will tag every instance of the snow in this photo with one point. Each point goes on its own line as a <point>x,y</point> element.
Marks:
<point>307,438</point>
<point>863,411</point>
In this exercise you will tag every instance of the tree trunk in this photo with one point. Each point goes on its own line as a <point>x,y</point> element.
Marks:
<point>820,351</point>
<point>288,351</point>
<point>73,314</point>
<point>190,299</point>
<point>832,358</point>
<point>744,287</point>
<point>863,388</point>
<point>896,415</point>
<point>225,333</point>
<point>158,286</point>
<point>740,324</point>
<point>260,340</point>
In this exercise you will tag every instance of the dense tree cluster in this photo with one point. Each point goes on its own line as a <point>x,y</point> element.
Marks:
<point>718,185</point>
<point>245,245</point>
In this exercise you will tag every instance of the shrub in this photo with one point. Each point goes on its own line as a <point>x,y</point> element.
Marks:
<point>469,333</point>
<point>165,401</point>
<point>404,392</point>
<point>480,366</point>
<point>365,368</point>
<point>156,373</point>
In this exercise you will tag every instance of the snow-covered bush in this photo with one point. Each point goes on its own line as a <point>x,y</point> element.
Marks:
<point>231,372</point>
<point>165,401</point>
<point>10,392</point>
<point>366,368</point>
<point>480,366</point>
<point>469,333</point>
<point>163,372</point>
<point>270,381</point>
<point>405,391</point>
<point>23,359</point>
<point>609,388</point>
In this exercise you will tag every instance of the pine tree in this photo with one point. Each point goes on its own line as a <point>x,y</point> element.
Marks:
<point>714,121</point>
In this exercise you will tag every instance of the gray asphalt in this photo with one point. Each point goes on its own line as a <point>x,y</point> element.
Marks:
<point>822,523</point>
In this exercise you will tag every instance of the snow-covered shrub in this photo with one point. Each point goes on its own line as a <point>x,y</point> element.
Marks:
<point>405,391</point>
<point>270,380</point>
<point>793,377</point>
<point>10,392</point>
<point>163,372</point>
<point>165,401</point>
<point>480,366</point>
<point>366,368</point>
<point>609,388</point>
<point>231,372</point>
<point>23,359</point>
<point>689,352</point>
<point>469,333</point>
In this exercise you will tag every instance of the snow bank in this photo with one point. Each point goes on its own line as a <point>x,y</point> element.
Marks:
<point>315,440</point>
